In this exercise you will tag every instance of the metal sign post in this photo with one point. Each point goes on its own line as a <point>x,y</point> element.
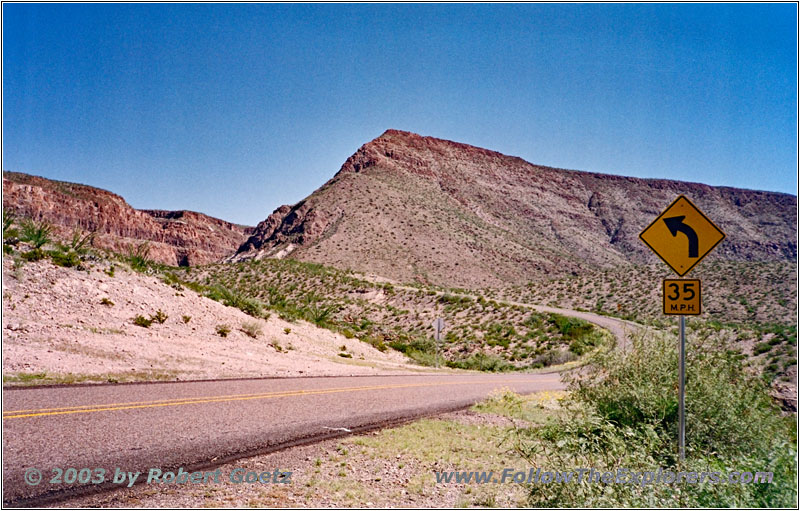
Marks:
<point>680,297</point>
<point>682,392</point>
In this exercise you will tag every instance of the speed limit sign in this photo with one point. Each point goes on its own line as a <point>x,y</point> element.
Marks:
<point>682,297</point>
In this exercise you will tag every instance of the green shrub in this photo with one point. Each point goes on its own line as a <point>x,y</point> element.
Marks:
<point>625,414</point>
<point>66,259</point>
<point>481,362</point>
<point>106,301</point>
<point>223,330</point>
<point>142,321</point>
<point>36,254</point>
<point>761,347</point>
<point>571,328</point>
<point>319,315</point>
<point>230,298</point>
<point>186,319</point>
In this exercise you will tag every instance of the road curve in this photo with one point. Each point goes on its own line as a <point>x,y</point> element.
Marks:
<point>623,330</point>
<point>198,425</point>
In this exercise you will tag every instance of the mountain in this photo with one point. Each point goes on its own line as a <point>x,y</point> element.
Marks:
<point>416,208</point>
<point>175,237</point>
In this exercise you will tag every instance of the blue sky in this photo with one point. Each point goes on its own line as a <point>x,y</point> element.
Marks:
<point>233,110</point>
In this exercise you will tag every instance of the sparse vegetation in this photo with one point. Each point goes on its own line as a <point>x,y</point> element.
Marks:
<point>159,317</point>
<point>38,234</point>
<point>223,330</point>
<point>482,333</point>
<point>251,329</point>
<point>186,319</point>
<point>625,415</point>
<point>142,321</point>
<point>138,257</point>
<point>67,259</point>
<point>106,301</point>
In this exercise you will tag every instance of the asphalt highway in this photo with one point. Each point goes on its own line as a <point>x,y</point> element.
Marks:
<point>198,425</point>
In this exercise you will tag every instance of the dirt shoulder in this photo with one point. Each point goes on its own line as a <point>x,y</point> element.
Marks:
<point>394,467</point>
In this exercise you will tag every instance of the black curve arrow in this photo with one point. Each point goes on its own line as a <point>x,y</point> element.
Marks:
<point>675,224</point>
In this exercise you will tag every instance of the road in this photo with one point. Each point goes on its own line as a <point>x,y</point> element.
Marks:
<point>197,425</point>
<point>201,424</point>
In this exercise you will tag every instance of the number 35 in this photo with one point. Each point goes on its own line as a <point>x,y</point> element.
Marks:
<point>688,291</point>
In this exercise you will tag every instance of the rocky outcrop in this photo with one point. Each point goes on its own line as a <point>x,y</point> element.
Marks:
<point>175,237</point>
<point>419,208</point>
<point>299,225</point>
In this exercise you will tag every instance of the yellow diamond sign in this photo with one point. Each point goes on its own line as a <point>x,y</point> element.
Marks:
<point>682,235</point>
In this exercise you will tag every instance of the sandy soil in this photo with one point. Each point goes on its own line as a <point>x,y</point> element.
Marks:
<point>54,321</point>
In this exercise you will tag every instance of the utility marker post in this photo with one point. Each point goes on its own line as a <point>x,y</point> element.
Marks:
<point>438,326</point>
<point>681,297</point>
<point>682,391</point>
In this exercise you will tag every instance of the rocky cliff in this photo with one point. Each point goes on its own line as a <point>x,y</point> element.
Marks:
<point>175,237</point>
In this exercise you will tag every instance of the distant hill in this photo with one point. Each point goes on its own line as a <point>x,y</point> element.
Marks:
<point>423,209</point>
<point>175,237</point>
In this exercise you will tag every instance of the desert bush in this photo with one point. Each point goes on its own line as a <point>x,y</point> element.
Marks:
<point>251,328</point>
<point>186,319</point>
<point>230,298</point>
<point>37,254</point>
<point>223,330</point>
<point>481,362</point>
<point>66,259</point>
<point>142,321</point>
<point>625,414</point>
<point>106,301</point>
<point>159,317</point>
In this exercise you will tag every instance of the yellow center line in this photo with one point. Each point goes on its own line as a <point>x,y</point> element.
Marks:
<point>172,400</point>
<point>18,414</point>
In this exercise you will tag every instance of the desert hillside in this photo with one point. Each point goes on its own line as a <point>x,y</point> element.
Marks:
<point>422,209</point>
<point>71,325</point>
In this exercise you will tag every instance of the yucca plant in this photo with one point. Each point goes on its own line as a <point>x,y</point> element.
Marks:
<point>36,233</point>
<point>138,258</point>
<point>8,222</point>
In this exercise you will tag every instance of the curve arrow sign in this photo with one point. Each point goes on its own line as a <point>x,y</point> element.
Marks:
<point>675,224</point>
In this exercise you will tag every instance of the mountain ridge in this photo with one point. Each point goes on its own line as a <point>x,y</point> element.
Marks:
<point>505,210</point>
